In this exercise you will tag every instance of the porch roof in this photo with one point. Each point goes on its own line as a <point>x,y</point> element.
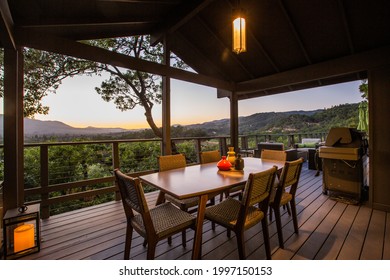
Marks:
<point>291,44</point>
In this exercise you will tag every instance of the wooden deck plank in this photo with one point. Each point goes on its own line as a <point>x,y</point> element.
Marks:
<point>335,240</point>
<point>373,245</point>
<point>354,242</point>
<point>294,242</point>
<point>318,237</point>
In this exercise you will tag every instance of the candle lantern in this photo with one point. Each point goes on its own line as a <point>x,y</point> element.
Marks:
<point>21,231</point>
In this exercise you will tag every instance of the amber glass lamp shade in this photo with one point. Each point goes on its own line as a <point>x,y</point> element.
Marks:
<point>239,33</point>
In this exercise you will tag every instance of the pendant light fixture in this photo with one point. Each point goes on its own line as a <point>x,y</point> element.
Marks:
<point>239,30</point>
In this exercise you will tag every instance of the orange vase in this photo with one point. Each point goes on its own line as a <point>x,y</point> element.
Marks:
<point>224,164</point>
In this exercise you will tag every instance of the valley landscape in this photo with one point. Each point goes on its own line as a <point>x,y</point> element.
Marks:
<point>320,120</point>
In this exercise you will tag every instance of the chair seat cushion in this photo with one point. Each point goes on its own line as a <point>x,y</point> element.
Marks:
<point>167,220</point>
<point>186,203</point>
<point>226,214</point>
<point>286,198</point>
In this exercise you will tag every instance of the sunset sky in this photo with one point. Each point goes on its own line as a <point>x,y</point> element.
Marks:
<point>77,104</point>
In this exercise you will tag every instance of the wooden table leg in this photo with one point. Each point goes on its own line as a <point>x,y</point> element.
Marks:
<point>160,198</point>
<point>197,247</point>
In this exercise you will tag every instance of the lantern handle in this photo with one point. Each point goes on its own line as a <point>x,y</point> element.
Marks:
<point>22,209</point>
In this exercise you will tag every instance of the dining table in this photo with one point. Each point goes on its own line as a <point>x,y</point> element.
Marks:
<point>204,181</point>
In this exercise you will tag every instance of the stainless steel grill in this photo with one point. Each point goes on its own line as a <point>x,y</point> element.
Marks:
<point>344,163</point>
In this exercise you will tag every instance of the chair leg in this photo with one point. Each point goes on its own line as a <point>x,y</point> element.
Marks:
<point>270,213</point>
<point>151,250</point>
<point>279,227</point>
<point>183,233</point>
<point>264,224</point>
<point>294,215</point>
<point>213,203</point>
<point>129,236</point>
<point>170,240</point>
<point>241,244</point>
<point>288,209</point>
<point>228,233</point>
<point>145,242</point>
<point>184,238</point>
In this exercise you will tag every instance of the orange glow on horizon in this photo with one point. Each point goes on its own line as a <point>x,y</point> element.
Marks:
<point>141,125</point>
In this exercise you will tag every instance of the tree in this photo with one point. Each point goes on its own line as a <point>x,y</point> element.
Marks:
<point>43,74</point>
<point>45,71</point>
<point>363,107</point>
<point>363,88</point>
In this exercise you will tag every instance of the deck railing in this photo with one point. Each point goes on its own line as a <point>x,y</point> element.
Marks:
<point>70,175</point>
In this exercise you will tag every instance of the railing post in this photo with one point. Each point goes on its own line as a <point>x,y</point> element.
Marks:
<point>291,140</point>
<point>244,142</point>
<point>198,148</point>
<point>44,155</point>
<point>115,164</point>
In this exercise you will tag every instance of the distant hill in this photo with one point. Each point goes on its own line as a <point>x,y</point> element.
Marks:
<point>50,128</point>
<point>272,122</point>
<point>249,124</point>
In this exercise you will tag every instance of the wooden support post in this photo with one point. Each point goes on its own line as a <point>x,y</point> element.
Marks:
<point>166,105</point>
<point>234,120</point>
<point>13,129</point>
<point>379,137</point>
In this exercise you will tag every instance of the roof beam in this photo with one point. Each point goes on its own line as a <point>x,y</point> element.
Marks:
<point>296,35</point>
<point>6,26</point>
<point>72,48</point>
<point>86,23</point>
<point>346,26</point>
<point>295,32</point>
<point>143,1</point>
<point>337,67</point>
<point>203,62</point>
<point>179,18</point>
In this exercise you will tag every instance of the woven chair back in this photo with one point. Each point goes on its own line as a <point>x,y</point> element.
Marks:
<point>273,155</point>
<point>258,186</point>
<point>132,194</point>
<point>291,172</point>
<point>210,156</point>
<point>169,162</point>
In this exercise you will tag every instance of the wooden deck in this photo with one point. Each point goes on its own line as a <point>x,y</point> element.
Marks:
<point>327,230</point>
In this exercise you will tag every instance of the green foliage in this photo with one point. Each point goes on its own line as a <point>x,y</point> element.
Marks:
<point>139,156</point>
<point>363,88</point>
<point>31,167</point>
<point>345,115</point>
<point>188,149</point>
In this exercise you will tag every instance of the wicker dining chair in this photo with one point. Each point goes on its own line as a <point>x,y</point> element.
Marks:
<point>209,156</point>
<point>285,195</point>
<point>169,162</point>
<point>155,224</point>
<point>280,156</point>
<point>238,216</point>
<point>274,155</point>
